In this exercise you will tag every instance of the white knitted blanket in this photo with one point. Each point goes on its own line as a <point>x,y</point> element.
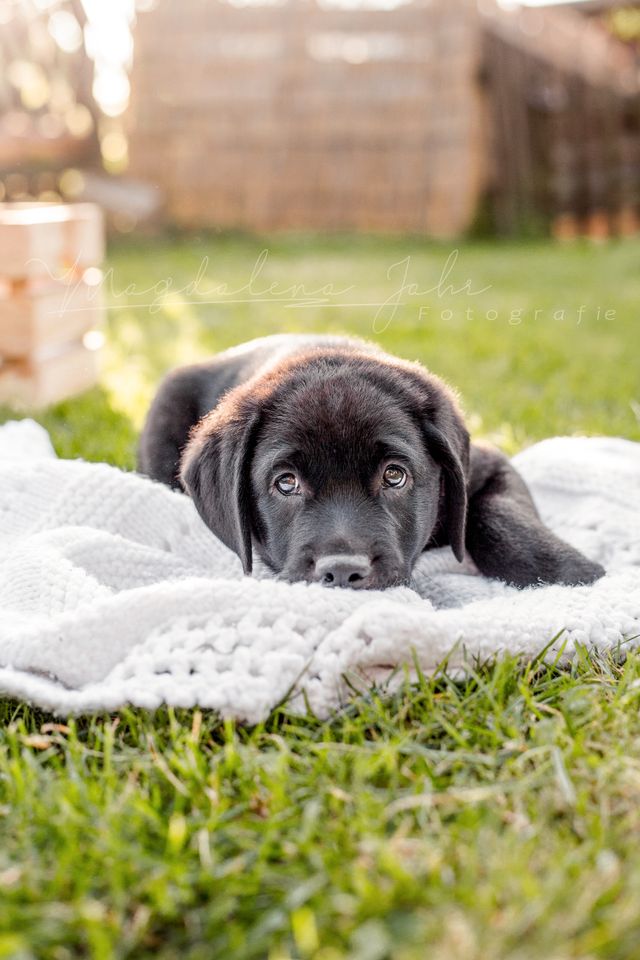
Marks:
<point>113,592</point>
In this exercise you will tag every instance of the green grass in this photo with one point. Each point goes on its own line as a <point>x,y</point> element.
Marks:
<point>492,818</point>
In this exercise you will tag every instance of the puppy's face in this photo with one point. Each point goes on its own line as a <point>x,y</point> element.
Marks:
<point>343,490</point>
<point>336,470</point>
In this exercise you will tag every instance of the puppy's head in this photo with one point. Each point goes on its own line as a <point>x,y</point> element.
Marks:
<point>336,467</point>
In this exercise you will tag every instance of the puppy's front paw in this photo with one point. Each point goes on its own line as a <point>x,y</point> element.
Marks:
<point>578,571</point>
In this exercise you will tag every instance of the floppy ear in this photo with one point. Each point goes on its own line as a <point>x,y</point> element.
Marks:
<point>452,518</point>
<point>215,471</point>
<point>446,438</point>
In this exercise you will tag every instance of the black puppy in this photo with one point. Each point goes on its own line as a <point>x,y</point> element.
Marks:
<point>340,464</point>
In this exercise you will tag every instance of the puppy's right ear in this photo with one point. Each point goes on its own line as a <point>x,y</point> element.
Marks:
<point>215,471</point>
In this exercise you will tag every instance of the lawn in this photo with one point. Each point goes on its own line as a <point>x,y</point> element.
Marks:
<point>492,818</point>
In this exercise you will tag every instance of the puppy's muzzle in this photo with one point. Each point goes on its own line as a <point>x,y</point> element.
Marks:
<point>343,570</point>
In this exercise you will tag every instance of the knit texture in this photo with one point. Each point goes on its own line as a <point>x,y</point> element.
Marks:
<point>113,592</point>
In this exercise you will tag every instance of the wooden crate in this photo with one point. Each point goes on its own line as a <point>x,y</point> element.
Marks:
<point>50,298</point>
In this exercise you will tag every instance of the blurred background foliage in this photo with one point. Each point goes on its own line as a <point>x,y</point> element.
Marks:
<point>64,88</point>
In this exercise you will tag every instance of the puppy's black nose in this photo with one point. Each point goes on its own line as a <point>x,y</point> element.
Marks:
<point>343,570</point>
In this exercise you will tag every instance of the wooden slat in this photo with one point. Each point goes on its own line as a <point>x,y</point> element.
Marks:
<point>31,325</point>
<point>47,239</point>
<point>30,384</point>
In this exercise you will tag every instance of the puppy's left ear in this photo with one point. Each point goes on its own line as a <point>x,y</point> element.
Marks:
<point>447,440</point>
<point>215,471</point>
<point>452,518</point>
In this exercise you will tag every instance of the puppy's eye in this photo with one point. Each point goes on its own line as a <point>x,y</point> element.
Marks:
<point>394,476</point>
<point>287,484</point>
